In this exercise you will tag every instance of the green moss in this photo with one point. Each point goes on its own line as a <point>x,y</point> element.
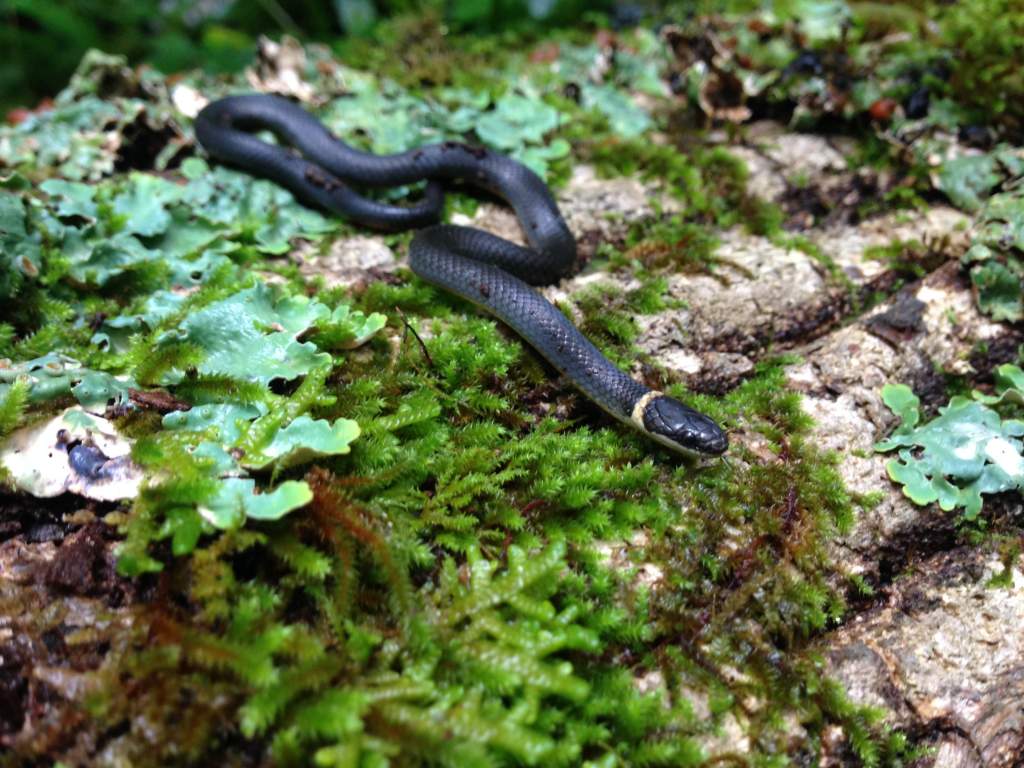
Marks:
<point>673,244</point>
<point>450,463</point>
<point>711,182</point>
<point>12,406</point>
<point>868,501</point>
<point>1009,551</point>
<point>908,258</point>
<point>987,37</point>
<point>608,314</point>
<point>420,51</point>
<point>860,586</point>
<point>803,244</point>
<point>13,401</point>
<point>434,475</point>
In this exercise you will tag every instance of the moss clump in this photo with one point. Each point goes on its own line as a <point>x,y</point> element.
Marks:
<point>12,406</point>
<point>347,630</point>
<point>672,244</point>
<point>711,182</point>
<point>826,262</point>
<point>418,51</point>
<point>988,69</point>
<point>609,314</point>
<point>747,579</point>
<point>910,259</point>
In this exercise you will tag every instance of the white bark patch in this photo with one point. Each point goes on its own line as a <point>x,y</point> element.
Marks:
<point>1002,453</point>
<point>75,452</point>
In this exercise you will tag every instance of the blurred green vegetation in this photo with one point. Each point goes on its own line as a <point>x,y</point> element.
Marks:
<point>45,39</point>
<point>980,41</point>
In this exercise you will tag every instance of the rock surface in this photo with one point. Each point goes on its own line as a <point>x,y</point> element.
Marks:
<point>944,655</point>
<point>927,328</point>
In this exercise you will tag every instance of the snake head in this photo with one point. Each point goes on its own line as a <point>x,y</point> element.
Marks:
<point>680,427</point>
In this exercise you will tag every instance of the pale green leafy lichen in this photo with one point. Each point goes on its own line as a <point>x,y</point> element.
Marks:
<point>304,440</point>
<point>98,260</point>
<point>252,335</point>
<point>396,121</point>
<point>68,138</point>
<point>634,71</point>
<point>236,499</point>
<point>970,179</point>
<point>231,426</point>
<point>967,451</point>
<point>79,138</point>
<point>20,255</point>
<point>996,256</point>
<point>347,329</point>
<point>998,285</point>
<point>516,120</point>
<point>142,205</point>
<point>54,374</point>
<point>819,20</point>
<point>73,198</point>
<point>1009,385</point>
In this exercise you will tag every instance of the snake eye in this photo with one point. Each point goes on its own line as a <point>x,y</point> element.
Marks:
<point>682,427</point>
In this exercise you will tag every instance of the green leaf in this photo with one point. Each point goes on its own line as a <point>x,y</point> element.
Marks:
<point>1001,224</point>
<point>54,375</point>
<point>903,402</point>
<point>256,434</point>
<point>516,120</point>
<point>625,118</point>
<point>242,206</point>
<point>143,205</point>
<point>184,526</point>
<point>994,257</point>
<point>98,260</point>
<point>348,329</point>
<point>228,421</point>
<point>1009,385</point>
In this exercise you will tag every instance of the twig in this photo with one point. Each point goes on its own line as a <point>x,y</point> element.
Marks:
<point>408,327</point>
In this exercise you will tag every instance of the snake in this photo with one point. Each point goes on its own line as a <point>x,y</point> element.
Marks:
<point>490,272</point>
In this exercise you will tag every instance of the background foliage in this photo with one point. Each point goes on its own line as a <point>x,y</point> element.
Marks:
<point>44,40</point>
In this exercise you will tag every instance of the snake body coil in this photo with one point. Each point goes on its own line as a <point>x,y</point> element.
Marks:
<point>484,269</point>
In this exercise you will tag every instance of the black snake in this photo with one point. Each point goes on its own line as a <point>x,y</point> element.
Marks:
<point>487,270</point>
